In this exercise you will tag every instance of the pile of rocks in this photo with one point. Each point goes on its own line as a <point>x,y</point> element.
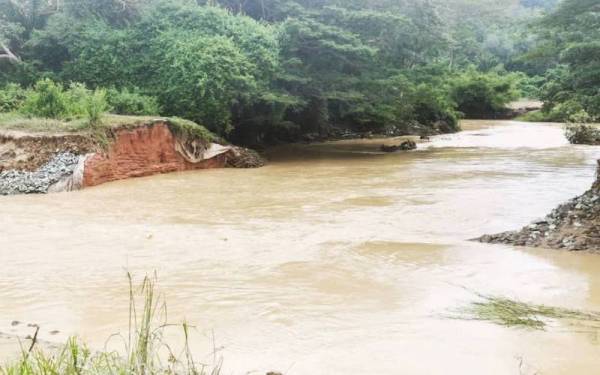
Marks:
<point>404,146</point>
<point>581,134</point>
<point>39,181</point>
<point>574,225</point>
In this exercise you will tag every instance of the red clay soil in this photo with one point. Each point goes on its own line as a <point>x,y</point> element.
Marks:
<point>142,151</point>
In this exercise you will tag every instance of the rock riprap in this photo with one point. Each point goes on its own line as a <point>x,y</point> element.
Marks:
<point>574,225</point>
<point>39,181</point>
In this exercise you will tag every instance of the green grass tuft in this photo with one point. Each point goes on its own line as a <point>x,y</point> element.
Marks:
<point>189,129</point>
<point>511,313</point>
<point>144,352</point>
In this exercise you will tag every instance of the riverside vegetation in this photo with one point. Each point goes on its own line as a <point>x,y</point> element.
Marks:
<point>144,352</point>
<point>262,72</point>
<point>267,71</point>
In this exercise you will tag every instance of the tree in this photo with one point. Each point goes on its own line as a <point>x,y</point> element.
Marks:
<point>264,70</point>
<point>570,39</point>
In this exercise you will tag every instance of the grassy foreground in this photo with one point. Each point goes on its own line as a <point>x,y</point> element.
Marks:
<point>143,354</point>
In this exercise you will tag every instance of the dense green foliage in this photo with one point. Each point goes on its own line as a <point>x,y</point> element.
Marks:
<point>477,94</point>
<point>50,100</point>
<point>12,98</point>
<point>131,102</point>
<point>267,70</point>
<point>569,43</point>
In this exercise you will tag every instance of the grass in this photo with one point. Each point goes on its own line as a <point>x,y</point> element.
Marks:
<point>19,122</point>
<point>511,313</point>
<point>144,348</point>
<point>189,129</point>
<point>179,127</point>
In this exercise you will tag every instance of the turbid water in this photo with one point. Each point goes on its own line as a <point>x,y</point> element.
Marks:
<point>334,259</point>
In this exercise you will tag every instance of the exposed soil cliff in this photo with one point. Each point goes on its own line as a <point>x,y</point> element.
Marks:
<point>44,163</point>
<point>574,225</point>
<point>154,149</point>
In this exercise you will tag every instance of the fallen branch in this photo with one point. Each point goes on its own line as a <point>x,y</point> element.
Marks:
<point>8,55</point>
<point>34,340</point>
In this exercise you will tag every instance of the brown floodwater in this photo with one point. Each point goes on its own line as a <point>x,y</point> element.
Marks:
<point>333,259</point>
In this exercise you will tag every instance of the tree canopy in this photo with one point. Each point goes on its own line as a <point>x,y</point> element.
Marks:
<point>269,70</point>
<point>570,46</point>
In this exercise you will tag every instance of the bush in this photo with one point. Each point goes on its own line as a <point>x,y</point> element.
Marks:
<point>580,134</point>
<point>12,97</point>
<point>127,102</point>
<point>570,110</point>
<point>535,116</point>
<point>432,108</point>
<point>95,105</point>
<point>427,107</point>
<point>77,97</point>
<point>47,99</point>
<point>529,87</point>
<point>483,94</point>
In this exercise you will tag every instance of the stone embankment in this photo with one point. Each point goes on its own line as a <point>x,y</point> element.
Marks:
<point>42,180</point>
<point>41,163</point>
<point>574,225</point>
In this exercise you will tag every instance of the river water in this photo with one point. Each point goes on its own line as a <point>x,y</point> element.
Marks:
<point>333,259</point>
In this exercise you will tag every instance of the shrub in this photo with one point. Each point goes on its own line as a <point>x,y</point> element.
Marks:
<point>432,108</point>
<point>47,99</point>
<point>570,110</point>
<point>483,94</point>
<point>50,100</point>
<point>12,97</point>
<point>581,134</point>
<point>125,102</point>
<point>77,97</point>
<point>529,87</point>
<point>95,105</point>
<point>535,116</point>
<point>427,107</point>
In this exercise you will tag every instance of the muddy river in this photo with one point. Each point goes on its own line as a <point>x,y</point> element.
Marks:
<point>334,259</point>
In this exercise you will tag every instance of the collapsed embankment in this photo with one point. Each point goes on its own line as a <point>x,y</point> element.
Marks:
<point>34,163</point>
<point>574,225</point>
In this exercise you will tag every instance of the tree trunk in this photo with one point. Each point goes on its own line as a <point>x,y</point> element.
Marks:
<point>8,55</point>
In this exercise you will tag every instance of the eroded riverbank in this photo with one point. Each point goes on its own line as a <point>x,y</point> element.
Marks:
<point>41,162</point>
<point>333,251</point>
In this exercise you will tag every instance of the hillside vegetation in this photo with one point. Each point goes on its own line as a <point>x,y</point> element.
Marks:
<point>261,71</point>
